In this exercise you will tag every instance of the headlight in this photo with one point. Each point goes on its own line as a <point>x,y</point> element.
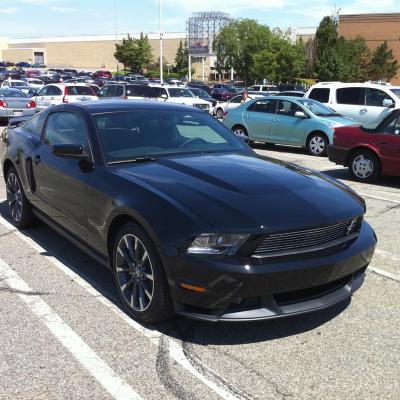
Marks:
<point>334,125</point>
<point>215,243</point>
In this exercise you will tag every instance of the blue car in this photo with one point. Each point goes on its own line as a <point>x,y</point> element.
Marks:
<point>287,120</point>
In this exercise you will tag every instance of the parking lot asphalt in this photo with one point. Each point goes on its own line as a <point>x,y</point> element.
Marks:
<point>63,334</point>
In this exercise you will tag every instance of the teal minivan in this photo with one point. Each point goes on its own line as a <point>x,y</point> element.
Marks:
<point>287,120</point>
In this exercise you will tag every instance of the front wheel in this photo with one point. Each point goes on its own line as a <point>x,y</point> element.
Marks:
<point>317,144</point>
<point>220,113</point>
<point>139,276</point>
<point>364,166</point>
<point>18,205</point>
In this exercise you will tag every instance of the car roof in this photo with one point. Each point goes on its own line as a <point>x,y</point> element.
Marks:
<point>362,84</point>
<point>115,105</point>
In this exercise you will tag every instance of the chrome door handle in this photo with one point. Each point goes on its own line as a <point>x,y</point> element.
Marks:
<point>383,143</point>
<point>363,111</point>
<point>274,120</point>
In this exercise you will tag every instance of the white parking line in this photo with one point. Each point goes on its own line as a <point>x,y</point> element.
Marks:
<point>104,375</point>
<point>175,349</point>
<point>379,198</point>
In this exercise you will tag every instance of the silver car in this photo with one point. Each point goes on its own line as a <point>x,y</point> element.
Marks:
<point>15,103</point>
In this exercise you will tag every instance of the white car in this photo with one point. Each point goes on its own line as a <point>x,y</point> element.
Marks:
<point>58,93</point>
<point>366,103</point>
<point>33,82</point>
<point>222,107</point>
<point>181,95</point>
<point>18,84</point>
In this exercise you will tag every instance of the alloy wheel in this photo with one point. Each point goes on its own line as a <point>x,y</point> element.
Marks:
<point>134,272</point>
<point>239,131</point>
<point>14,196</point>
<point>362,166</point>
<point>317,145</point>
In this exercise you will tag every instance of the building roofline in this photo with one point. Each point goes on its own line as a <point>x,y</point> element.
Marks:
<point>96,38</point>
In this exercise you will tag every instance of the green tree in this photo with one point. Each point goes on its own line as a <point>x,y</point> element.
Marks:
<point>237,44</point>
<point>383,65</point>
<point>181,58</point>
<point>135,54</point>
<point>327,61</point>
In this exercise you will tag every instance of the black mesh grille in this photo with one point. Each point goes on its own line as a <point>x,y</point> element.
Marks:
<point>282,242</point>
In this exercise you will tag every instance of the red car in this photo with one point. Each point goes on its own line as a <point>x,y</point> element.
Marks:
<point>102,74</point>
<point>33,73</point>
<point>368,153</point>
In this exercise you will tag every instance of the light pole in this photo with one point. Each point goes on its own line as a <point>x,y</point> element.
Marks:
<point>161,45</point>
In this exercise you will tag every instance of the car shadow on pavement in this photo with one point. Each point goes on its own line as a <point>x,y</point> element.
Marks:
<point>279,148</point>
<point>383,181</point>
<point>196,332</point>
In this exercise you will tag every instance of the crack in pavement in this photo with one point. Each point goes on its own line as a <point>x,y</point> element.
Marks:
<point>26,293</point>
<point>8,233</point>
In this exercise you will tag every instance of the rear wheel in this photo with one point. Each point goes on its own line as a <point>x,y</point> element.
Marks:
<point>364,166</point>
<point>240,131</point>
<point>139,276</point>
<point>317,144</point>
<point>18,205</point>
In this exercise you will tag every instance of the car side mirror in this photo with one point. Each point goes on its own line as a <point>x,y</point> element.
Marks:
<point>388,103</point>
<point>74,151</point>
<point>300,114</point>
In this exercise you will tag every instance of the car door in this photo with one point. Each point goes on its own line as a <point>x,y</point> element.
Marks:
<point>286,128</point>
<point>60,183</point>
<point>374,99</point>
<point>40,98</point>
<point>258,118</point>
<point>233,103</point>
<point>350,102</point>
<point>388,143</point>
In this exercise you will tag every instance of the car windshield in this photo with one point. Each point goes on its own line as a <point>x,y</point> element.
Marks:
<point>396,92</point>
<point>179,92</point>
<point>126,136</point>
<point>12,93</point>
<point>318,108</point>
<point>200,93</point>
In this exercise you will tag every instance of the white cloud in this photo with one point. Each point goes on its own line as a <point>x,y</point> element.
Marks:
<point>230,6</point>
<point>9,10</point>
<point>63,9</point>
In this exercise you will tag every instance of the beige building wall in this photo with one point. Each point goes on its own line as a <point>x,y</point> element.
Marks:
<point>375,29</point>
<point>92,52</point>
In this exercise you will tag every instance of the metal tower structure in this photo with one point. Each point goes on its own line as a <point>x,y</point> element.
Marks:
<point>201,29</point>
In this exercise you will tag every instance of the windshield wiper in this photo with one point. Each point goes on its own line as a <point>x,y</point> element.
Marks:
<point>133,160</point>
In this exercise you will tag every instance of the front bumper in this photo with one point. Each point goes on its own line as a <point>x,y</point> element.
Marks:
<point>245,289</point>
<point>338,155</point>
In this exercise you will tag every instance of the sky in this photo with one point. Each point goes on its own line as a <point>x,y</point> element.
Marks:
<point>38,18</point>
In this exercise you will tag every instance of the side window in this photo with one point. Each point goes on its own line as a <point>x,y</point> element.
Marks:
<point>263,106</point>
<point>35,125</point>
<point>43,92</point>
<point>53,91</point>
<point>107,91</point>
<point>65,128</point>
<point>236,99</point>
<point>393,128</point>
<point>351,95</point>
<point>375,97</point>
<point>287,108</point>
<point>320,94</point>
<point>119,91</point>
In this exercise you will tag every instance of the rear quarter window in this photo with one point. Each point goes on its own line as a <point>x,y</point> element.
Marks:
<point>320,94</point>
<point>351,95</point>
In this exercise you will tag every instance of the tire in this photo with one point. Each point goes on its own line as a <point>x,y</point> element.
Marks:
<point>364,166</point>
<point>18,205</point>
<point>220,113</point>
<point>240,131</point>
<point>317,144</point>
<point>139,276</point>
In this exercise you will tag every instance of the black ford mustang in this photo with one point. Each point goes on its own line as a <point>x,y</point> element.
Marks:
<point>187,216</point>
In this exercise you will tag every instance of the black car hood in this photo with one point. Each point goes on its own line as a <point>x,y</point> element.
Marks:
<point>234,192</point>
